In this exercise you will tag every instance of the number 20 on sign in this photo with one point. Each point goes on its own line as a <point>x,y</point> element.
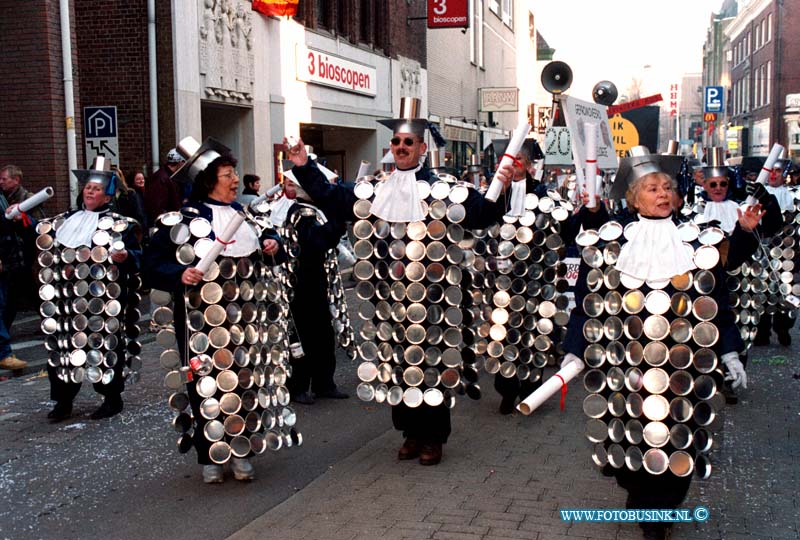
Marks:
<point>558,146</point>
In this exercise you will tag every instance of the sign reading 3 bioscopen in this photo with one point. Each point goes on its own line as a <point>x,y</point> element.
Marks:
<point>577,114</point>
<point>320,67</point>
<point>448,14</point>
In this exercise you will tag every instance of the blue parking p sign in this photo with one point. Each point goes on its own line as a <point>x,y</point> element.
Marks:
<point>713,99</point>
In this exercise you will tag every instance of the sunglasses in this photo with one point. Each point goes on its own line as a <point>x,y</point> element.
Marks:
<point>408,141</point>
<point>713,185</point>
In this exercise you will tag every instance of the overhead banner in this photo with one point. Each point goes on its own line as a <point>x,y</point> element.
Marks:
<point>577,113</point>
<point>448,14</point>
<point>276,8</point>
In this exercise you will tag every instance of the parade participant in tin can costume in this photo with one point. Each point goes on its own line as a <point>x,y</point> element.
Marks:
<point>778,262</point>
<point>409,278</point>
<point>229,370</point>
<point>653,326</point>
<point>318,306</point>
<point>519,275</point>
<point>90,265</point>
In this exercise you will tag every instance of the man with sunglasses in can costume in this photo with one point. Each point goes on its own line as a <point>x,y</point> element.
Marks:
<point>408,226</point>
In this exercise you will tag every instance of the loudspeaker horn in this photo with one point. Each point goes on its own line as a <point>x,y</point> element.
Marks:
<point>605,93</point>
<point>556,77</point>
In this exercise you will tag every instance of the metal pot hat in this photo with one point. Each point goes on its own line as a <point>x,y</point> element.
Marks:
<point>638,163</point>
<point>100,173</point>
<point>198,157</point>
<point>715,162</point>
<point>409,121</point>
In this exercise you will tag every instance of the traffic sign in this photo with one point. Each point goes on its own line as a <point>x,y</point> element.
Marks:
<point>100,132</point>
<point>713,97</point>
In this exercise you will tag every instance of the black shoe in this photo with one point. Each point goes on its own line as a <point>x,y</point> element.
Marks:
<point>507,405</point>
<point>60,412</point>
<point>109,408</point>
<point>653,531</point>
<point>784,338</point>
<point>333,393</point>
<point>761,341</point>
<point>305,398</point>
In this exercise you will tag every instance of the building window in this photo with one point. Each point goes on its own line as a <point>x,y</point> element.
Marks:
<point>365,18</point>
<point>769,27</point>
<point>747,40</point>
<point>476,33</point>
<point>494,7</point>
<point>343,17</point>
<point>531,30</point>
<point>768,80</point>
<point>758,37</point>
<point>508,13</point>
<point>322,15</point>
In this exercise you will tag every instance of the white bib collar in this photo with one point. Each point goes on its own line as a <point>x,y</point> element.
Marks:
<point>654,251</point>
<point>397,199</point>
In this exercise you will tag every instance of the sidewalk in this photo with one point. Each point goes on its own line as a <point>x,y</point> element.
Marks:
<point>507,477</point>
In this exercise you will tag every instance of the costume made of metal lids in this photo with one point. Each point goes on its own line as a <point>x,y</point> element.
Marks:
<point>338,304</point>
<point>236,336</point>
<point>652,374</point>
<point>89,303</point>
<point>518,275</point>
<point>416,332</point>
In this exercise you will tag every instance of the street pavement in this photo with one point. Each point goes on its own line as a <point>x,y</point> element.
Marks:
<point>502,477</point>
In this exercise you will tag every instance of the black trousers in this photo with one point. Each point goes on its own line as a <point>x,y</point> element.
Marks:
<point>425,423</point>
<point>512,387</point>
<point>657,491</point>
<point>778,321</point>
<point>315,330</point>
<point>19,291</point>
<point>64,392</point>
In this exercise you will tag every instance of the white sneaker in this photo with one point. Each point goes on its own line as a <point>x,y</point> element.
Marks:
<point>242,469</point>
<point>213,474</point>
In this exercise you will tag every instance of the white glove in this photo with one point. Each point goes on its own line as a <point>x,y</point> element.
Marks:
<point>569,359</point>
<point>736,373</point>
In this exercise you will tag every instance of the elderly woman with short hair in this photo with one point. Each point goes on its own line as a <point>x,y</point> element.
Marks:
<point>230,321</point>
<point>635,329</point>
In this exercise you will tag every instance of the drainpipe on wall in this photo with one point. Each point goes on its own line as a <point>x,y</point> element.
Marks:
<point>69,100</point>
<point>153,73</point>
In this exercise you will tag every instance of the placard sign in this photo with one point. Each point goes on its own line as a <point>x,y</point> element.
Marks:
<point>577,114</point>
<point>448,14</point>
<point>557,146</point>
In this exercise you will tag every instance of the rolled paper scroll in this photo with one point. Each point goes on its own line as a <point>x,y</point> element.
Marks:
<point>513,148</point>
<point>550,387</point>
<point>590,170</point>
<point>220,243</point>
<point>16,210</point>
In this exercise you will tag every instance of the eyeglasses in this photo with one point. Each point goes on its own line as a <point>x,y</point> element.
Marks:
<point>408,141</point>
<point>228,176</point>
<point>713,185</point>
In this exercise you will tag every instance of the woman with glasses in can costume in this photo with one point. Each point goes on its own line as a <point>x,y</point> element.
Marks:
<point>90,264</point>
<point>227,357</point>
<point>653,327</point>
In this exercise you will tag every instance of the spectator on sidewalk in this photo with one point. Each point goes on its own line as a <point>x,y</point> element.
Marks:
<point>11,262</point>
<point>163,194</point>
<point>252,183</point>
<point>138,178</point>
<point>21,276</point>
